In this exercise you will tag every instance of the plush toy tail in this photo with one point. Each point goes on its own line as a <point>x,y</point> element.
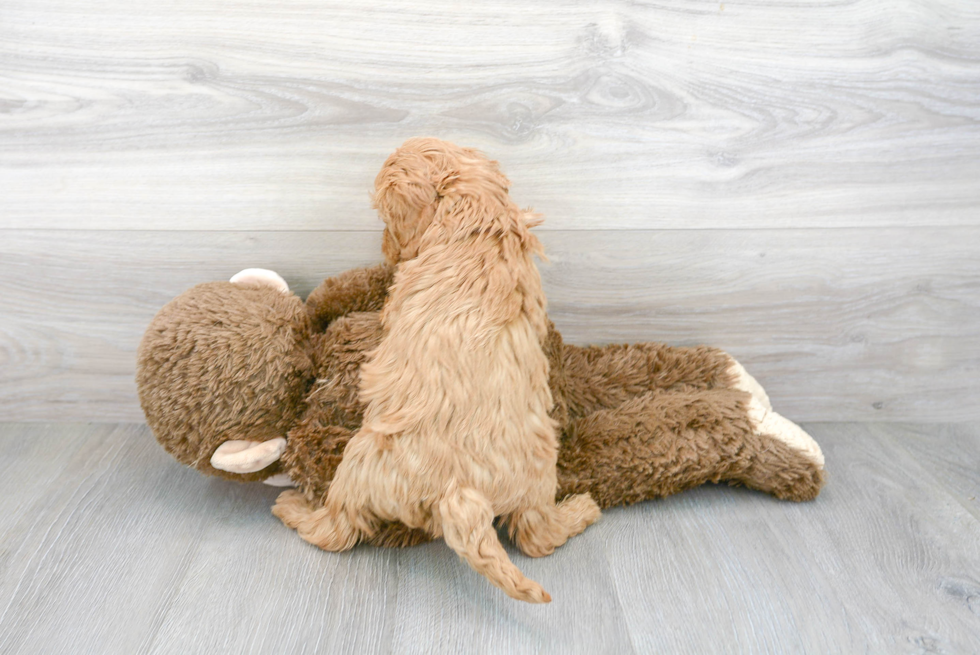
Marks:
<point>467,525</point>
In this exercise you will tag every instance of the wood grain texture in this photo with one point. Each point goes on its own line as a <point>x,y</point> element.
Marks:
<point>118,549</point>
<point>859,324</point>
<point>883,561</point>
<point>694,114</point>
<point>85,551</point>
<point>955,466</point>
<point>34,457</point>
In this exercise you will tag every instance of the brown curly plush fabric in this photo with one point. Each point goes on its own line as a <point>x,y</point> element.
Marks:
<point>358,290</point>
<point>637,421</point>
<point>606,377</point>
<point>679,440</point>
<point>224,361</point>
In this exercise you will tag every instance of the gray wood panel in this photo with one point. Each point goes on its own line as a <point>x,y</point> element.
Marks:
<point>881,562</point>
<point>857,324</point>
<point>678,114</point>
<point>33,459</point>
<point>118,549</point>
<point>955,466</point>
<point>94,556</point>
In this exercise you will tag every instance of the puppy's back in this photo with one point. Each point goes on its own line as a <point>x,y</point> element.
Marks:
<point>462,358</point>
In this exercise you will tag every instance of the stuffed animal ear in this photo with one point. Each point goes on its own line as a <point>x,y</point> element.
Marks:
<point>239,456</point>
<point>261,277</point>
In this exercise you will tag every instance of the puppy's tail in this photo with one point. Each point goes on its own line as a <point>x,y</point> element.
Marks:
<point>467,525</point>
<point>532,219</point>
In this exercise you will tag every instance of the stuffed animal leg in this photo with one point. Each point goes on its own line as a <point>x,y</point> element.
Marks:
<point>664,441</point>
<point>604,377</point>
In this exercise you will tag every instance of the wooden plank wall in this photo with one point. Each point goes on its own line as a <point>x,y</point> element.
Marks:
<point>797,182</point>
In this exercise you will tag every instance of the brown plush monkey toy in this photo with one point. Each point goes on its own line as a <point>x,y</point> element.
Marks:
<point>243,380</point>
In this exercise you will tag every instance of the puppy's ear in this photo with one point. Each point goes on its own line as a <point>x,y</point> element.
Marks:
<point>399,193</point>
<point>406,201</point>
<point>409,234</point>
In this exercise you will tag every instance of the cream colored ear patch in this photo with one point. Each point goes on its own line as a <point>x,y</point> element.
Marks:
<point>238,456</point>
<point>260,276</point>
<point>747,383</point>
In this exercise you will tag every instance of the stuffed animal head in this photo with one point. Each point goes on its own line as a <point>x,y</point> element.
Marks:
<point>222,373</point>
<point>419,179</point>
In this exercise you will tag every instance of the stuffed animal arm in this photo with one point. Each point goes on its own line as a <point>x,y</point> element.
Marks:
<point>356,290</point>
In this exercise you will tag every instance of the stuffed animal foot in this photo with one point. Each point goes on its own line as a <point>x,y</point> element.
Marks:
<point>324,527</point>
<point>538,531</point>
<point>745,382</point>
<point>662,443</point>
<point>769,423</point>
<point>781,458</point>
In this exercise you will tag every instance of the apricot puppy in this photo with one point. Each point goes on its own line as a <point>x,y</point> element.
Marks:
<point>456,428</point>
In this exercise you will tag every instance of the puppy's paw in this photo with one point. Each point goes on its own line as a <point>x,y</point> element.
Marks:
<point>538,532</point>
<point>580,511</point>
<point>291,508</point>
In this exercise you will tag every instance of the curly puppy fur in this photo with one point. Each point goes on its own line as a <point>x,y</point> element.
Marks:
<point>456,428</point>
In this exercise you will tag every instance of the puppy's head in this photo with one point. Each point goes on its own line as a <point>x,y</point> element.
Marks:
<point>423,173</point>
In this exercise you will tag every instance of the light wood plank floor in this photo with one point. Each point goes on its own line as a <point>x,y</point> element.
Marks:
<point>108,546</point>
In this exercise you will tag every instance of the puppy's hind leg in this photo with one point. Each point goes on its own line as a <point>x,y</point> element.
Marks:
<point>467,527</point>
<point>540,529</point>
<point>328,528</point>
